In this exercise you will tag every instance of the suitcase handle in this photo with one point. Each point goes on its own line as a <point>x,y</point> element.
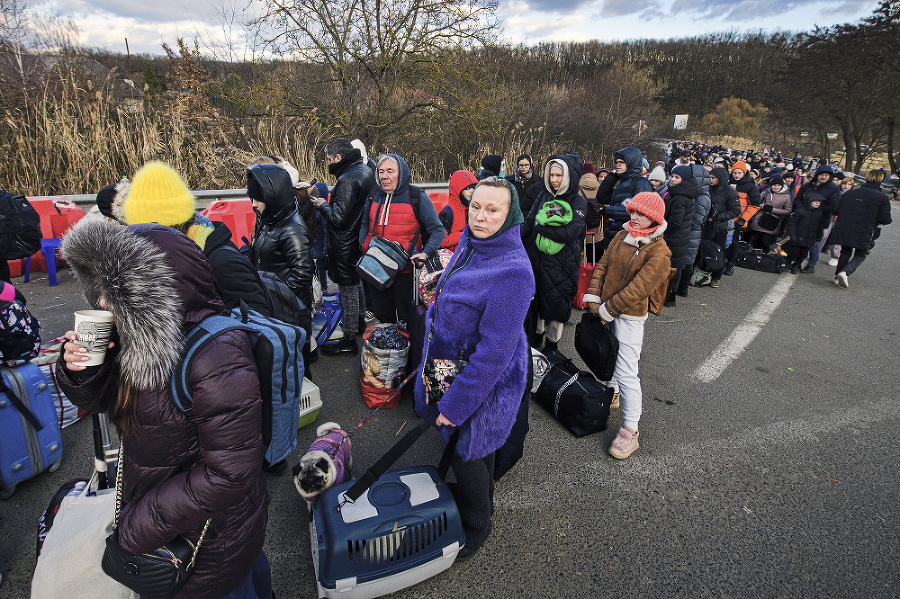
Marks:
<point>393,454</point>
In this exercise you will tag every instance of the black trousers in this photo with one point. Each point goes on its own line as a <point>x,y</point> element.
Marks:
<point>393,304</point>
<point>474,495</point>
<point>846,263</point>
<point>4,271</point>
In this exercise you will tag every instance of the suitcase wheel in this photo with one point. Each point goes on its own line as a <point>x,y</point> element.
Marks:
<point>54,466</point>
<point>7,492</point>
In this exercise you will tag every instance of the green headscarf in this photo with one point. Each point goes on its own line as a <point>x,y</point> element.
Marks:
<point>514,216</point>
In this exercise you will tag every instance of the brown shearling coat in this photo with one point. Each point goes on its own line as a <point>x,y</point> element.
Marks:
<point>647,268</point>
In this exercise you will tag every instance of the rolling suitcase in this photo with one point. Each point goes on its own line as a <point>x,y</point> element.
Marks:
<point>30,439</point>
<point>386,530</point>
<point>585,273</point>
<point>416,325</point>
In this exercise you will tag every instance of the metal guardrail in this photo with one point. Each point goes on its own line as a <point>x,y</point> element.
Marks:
<point>203,197</point>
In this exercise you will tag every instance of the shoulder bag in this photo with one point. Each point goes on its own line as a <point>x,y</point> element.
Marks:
<point>157,574</point>
<point>439,373</point>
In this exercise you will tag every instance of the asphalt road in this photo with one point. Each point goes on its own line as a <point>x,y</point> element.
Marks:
<point>779,478</point>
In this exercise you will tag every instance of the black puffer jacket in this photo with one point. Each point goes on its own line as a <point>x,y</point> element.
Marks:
<point>556,275</point>
<point>701,211</point>
<point>344,214</point>
<point>281,242</point>
<point>680,214</point>
<point>805,225</point>
<point>616,189</point>
<point>235,275</point>
<point>177,472</point>
<point>859,212</point>
<point>724,199</point>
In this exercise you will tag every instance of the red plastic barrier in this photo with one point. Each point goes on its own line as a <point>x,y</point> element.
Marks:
<point>57,216</point>
<point>440,199</point>
<point>237,215</point>
<point>17,267</point>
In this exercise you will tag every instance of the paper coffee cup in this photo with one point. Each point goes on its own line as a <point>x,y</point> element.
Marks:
<point>94,329</point>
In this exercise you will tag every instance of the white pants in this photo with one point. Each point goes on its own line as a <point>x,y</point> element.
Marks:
<point>630,334</point>
<point>553,329</point>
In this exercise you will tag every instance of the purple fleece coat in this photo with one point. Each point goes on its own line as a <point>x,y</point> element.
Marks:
<point>480,311</point>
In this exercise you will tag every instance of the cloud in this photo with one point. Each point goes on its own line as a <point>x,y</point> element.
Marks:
<point>535,30</point>
<point>149,11</point>
<point>617,8</point>
<point>557,6</point>
<point>743,11</point>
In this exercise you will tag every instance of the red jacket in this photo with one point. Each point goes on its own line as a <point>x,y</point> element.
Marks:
<point>454,214</point>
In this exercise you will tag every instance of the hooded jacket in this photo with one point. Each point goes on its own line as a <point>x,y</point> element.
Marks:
<point>701,211</point>
<point>453,215</point>
<point>748,192</point>
<point>344,213</point>
<point>392,216</point>
<point>679,202</point>
<point>724,200</point>
<point>521,184</point>
<point>236,277</point>
<point>557,274</point>
<point>615,190</point>
<point>478,316</point>
<point>830,192</point>
<point>805,224</point>
<point>177,472</point>
<point>859,212</point>
<point>281,242</point>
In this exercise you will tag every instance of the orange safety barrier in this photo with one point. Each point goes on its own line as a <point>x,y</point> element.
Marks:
<point>237,215</point>
<point>57,217</point>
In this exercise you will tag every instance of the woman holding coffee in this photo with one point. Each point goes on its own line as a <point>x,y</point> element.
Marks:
<point>178,471</point>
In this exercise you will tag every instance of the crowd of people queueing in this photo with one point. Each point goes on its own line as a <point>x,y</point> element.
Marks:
<point>517,239</point>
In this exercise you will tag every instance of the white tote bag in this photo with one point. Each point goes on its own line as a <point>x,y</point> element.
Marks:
<point>69,564</point>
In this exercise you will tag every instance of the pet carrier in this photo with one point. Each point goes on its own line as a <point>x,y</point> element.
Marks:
<point>385,531</point>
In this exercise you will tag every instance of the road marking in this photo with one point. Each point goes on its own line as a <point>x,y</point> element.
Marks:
<point>744,333</point>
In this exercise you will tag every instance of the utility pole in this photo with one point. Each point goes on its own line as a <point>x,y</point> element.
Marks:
<point>128,51</point>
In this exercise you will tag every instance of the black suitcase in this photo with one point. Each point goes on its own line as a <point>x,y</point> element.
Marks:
<point>574,397</point>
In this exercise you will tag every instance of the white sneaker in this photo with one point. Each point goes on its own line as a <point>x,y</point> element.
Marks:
<point>832,262</point>
<point>841,279</point>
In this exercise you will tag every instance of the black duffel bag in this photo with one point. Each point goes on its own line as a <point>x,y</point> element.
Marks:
<point>574,397</point>
<point>710,256</point>
<point>597,346</point>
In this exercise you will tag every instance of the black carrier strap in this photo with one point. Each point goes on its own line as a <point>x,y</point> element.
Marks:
<point>20,406</point>
<point>393,454</point>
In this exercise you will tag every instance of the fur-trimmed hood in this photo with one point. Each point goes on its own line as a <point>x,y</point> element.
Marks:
<point>155,281</point>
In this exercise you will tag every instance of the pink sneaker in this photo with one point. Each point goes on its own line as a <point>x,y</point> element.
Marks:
<point>625,444</point>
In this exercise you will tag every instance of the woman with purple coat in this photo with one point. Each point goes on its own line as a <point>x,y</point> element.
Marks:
<point>477,316</point>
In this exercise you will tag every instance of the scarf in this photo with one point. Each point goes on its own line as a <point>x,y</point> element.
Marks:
<point>199,230</point>
<point>514,216</point>
<point>638,233</point>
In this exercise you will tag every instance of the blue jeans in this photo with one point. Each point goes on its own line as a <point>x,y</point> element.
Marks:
<point>814,252</point>
<point>258,584</point>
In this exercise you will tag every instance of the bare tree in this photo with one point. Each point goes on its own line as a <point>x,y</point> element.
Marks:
<point>382,58</point>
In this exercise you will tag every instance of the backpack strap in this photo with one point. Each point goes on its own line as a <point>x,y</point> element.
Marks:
<point>198,338</point>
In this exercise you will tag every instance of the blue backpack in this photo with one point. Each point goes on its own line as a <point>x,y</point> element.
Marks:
<point>277,352</point>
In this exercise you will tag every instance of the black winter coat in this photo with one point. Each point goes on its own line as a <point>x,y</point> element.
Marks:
<point>831,197</point>
<point>701,211</point>
<point>615,190</point>
<point>725,200</point>
<point>859,212</point>
<point>281,243</point>
<point>805,225</point>
<point>679,217</point>
<point>236,277</point>
<point>177,472</point>
<point>556,276</point>
<point>344,214</point>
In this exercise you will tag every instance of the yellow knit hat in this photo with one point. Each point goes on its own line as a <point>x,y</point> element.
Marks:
<point>158,195</point>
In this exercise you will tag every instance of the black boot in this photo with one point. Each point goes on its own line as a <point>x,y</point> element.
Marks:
<point>549,346</point>
<point>347,345</point>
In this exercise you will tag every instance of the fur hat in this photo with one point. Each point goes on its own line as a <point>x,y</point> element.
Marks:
<point>650,205</point>
<point>657,174</point>
<point>158,195</point>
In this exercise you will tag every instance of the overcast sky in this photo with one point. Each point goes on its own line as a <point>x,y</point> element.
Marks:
<point>148,23</point>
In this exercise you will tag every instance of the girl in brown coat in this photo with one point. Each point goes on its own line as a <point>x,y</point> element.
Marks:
<point>634,265</point>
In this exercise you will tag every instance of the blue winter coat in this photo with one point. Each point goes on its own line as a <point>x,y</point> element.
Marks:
<point>701,211</point>
<point>478,316</point>
<point>615,190</point>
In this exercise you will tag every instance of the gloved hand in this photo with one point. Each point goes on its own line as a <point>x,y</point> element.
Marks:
<point>767,208</point>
